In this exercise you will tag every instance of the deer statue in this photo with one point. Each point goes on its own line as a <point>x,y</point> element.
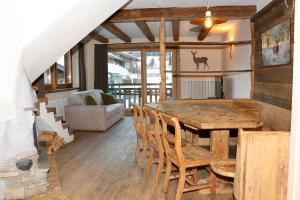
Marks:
<point>198,60</point>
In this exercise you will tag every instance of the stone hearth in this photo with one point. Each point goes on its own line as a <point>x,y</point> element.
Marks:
<point>23,176</point>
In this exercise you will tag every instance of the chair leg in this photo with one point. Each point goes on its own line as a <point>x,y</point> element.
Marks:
<point>138,148</point>
<point>195,176</point>
<point>167,176</point>
<point>180,188</point>
<point>160,166</point>
<point>145,149</point>
<point>150,161</point>
<point>213,186</point>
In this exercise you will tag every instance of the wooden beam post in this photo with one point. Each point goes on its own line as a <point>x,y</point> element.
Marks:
<point>117,32</point>
<point>146,30</point>
<point>176,29</point>
<point>162,35</point>
<point>144,77</point>
<point>188,13</point>
<point>252,60</point>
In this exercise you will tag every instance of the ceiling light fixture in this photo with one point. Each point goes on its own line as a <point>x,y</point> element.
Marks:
<point>208,21</point>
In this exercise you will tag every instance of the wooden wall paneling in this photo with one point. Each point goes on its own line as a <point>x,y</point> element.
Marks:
<point>273,84</point>
<point>283,91</point>
<point>162,35</point>
<point>252,59</point>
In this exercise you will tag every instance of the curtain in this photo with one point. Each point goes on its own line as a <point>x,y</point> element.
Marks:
<point>101,68</point>
<point>82,74</point>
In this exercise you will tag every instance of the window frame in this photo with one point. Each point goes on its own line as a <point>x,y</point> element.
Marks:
<point>54,85</point>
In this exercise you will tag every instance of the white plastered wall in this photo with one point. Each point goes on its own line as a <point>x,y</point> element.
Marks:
<point>238,85</point>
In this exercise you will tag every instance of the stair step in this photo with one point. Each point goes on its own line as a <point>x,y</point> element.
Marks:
<point>51,109</point>
<point>65,125</point>
<point>34,109</point>
<point>42,100</point>
<point>47,136</point>
<point>60,118</point>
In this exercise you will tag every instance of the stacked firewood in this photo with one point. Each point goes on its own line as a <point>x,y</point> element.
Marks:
<point>51,140</point>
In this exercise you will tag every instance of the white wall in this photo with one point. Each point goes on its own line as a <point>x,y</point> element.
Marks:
<point>261,4</point>
<point>238,85</point>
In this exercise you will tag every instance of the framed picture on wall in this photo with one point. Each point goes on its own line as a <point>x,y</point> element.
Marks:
<point>276,46</point>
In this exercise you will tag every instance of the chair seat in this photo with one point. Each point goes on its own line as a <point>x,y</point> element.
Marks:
<point>224,167</point>
<point>194,156</point>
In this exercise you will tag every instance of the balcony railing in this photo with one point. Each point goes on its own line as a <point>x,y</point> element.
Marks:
<point>194,89</point>
<point>132,93</point>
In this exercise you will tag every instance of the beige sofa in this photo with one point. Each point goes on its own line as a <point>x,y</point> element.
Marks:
<point>92,117</point>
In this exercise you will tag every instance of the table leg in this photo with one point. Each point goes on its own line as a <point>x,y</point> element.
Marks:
<point>219,145</point>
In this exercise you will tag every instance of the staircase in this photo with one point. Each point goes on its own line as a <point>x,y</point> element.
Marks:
<point>46,120</point>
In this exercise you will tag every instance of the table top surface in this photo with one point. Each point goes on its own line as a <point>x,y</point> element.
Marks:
<point>209,114</point>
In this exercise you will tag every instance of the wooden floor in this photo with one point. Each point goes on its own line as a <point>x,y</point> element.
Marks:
<point>100,165</point>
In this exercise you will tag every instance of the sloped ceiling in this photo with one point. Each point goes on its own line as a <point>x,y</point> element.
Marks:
<point>53,27</point>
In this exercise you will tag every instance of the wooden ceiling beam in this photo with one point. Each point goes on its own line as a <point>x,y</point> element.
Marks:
<point>155,14</point>
<point>117,32</point>
<point>146,30</point>
<point>96,36</point>
<point>176,29</point>
<point>100,38</point>
<point>204,32</point>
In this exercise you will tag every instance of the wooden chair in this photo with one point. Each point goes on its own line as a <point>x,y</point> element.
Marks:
<point>184,157</point>
<point>154,132</point>
<point>261,167</point>
<point>141,137</point>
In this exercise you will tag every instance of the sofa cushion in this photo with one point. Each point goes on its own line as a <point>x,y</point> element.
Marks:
<point>113,109</point>
<point>108,99</point>
<point>90,100</point>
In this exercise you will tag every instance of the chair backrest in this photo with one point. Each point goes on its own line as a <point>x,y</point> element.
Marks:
<point>135,116</point>
<point>153,127</point>
<point>138,117</point>
<point>262,165</point>
<point>168,139</point>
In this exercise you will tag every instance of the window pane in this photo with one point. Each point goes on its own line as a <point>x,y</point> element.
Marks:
<point>154,78</point>
<point>47,77</point>
<point>60,69</point>
<point>124,76</point>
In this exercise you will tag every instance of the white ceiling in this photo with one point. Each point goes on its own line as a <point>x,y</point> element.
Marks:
<point>185,3</point>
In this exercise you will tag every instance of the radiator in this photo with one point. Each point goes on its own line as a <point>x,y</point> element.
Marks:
<point>202,89</point>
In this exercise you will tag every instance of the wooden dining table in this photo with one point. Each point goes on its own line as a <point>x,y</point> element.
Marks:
<point>218,116</point>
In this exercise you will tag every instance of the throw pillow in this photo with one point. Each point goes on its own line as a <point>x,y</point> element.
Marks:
<point>90,100</point>
<point>108,98</point>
